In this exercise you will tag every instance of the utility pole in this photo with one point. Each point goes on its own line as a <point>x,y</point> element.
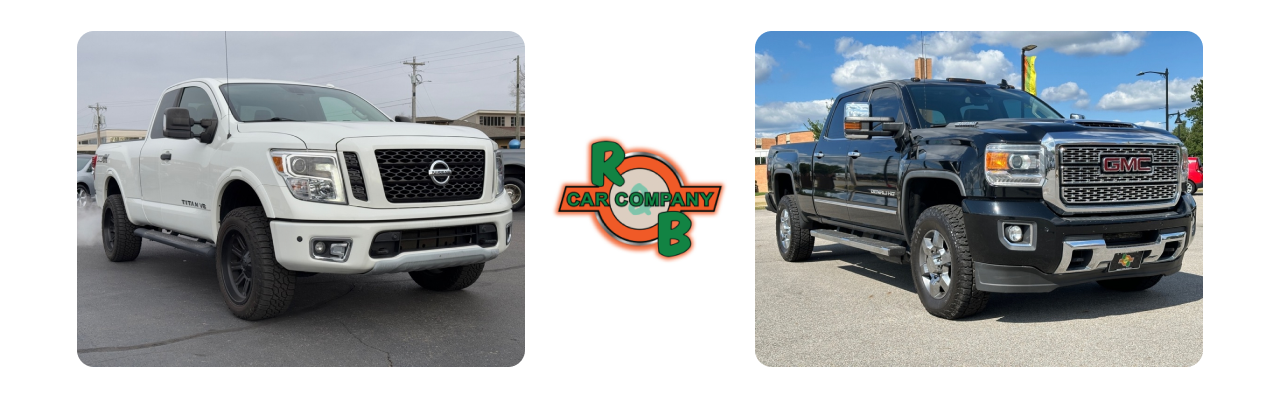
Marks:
<point>519,123</point>
<point>414,80</point>
<point>97,122</point>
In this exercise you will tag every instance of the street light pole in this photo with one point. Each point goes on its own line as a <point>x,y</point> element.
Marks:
<point>1023,60</point>
<point>1166,94</point>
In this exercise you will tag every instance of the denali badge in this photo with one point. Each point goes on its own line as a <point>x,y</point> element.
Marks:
<point>1126,164</point>
<point>439,172</point>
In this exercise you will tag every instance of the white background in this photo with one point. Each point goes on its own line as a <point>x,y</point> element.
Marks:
<point>672,76</point>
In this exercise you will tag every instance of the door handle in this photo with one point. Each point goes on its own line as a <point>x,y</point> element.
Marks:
<point>819,155</point>
<point>166,156</point>
<point>854,154</point>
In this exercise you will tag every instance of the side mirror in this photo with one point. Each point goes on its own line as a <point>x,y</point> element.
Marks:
<point>1077,116</point>
<point>861,126</point>
<point>177,123</point>
<point>403,119</point>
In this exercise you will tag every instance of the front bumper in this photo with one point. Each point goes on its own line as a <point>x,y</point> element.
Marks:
<point>292,241</point>
<point>1071,250</point>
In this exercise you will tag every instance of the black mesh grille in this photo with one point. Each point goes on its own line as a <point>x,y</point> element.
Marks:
<point>353,173</point>
<point>405,175</point>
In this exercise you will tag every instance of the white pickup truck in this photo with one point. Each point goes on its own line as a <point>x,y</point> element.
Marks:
<point>279,179</point>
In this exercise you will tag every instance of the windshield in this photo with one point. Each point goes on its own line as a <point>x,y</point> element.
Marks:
<point>271,102</point>
<point>82,161</point>
<point>939,105</point>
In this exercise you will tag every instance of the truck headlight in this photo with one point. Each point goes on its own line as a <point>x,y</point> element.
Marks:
<point>498,187</point>
<point>311,175</point>
<point>1015,164</point>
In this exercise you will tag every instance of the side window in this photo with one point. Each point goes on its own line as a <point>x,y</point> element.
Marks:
<point>886,102</point>
<point>194,99</point>
<point>157,126</point>
<point>835,125</point>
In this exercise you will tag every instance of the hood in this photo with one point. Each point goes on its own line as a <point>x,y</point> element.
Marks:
<point>1035,130</point>
<point>325,135</point>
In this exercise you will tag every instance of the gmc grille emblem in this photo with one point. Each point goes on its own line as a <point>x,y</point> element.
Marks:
<point>1126,164</point>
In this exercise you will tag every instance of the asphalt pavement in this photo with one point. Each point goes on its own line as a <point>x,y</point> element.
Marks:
<point>165,309</point>
<point>845,307</point>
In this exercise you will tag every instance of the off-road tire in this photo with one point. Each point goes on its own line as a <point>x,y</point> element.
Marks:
<point>118,240</point>
<point>519,204</point>
<point>449,278</point>
<point>1130,284</point>
<point>963,298</point>
<point>271,286</point>
<point>1190,187</point>
<point>799,246</point>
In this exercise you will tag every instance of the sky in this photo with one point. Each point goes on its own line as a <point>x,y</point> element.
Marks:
<point>127,71</point>
<point>1089,73</point>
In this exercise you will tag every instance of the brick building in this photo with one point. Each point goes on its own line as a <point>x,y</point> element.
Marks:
<point>762,151</point>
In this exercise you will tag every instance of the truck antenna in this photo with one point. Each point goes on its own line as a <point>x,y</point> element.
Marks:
<point>226,58</point>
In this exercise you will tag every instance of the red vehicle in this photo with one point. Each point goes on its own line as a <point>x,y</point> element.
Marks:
<point>1195,176</point>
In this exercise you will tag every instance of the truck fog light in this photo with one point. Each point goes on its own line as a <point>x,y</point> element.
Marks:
<point>1013,233</point>
<point>338,249</point>
<point>319,248</point>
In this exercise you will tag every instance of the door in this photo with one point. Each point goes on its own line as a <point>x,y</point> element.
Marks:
<point>875,166</point>
<point>833,183</point>
<point>186,182</point>
<point>149,162</point>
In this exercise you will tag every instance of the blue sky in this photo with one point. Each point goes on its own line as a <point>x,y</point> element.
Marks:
<point>1091,73</point>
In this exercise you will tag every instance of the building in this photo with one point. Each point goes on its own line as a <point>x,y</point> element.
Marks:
<point>87,143</point>
<point>762,153</point>
<point>498,125</point>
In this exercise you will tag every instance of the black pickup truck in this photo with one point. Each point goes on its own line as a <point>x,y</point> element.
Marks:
<point>984,188</point>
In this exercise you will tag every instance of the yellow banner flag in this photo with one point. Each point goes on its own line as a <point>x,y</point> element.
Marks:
<point>1030,85</point>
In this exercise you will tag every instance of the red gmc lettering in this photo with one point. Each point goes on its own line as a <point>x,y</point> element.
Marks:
<point>1122,164</point>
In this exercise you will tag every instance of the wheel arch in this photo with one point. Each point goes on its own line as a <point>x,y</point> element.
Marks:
<point>236,189</point>
<point>922,189</point>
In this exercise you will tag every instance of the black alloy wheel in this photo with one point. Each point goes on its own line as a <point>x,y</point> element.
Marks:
<point>237,267</point>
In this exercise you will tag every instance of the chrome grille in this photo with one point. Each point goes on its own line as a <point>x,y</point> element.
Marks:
<point>1119,194</point>
<point>405,179</point>
<point>1083,183</point>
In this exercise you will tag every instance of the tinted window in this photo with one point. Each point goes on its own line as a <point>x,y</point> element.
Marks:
<point>157,126</point>
<point>82,161</point>
<point>941,104</point>
<point>835,127</point>
<point>886,102</point>
<point>195,100</point>
<point>262,102</point>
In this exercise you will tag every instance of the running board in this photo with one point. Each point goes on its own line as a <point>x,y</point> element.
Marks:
<point>873,246</point>
<point>199,248</point>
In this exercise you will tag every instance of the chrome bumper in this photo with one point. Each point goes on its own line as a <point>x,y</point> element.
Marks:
<point>1101,254</point>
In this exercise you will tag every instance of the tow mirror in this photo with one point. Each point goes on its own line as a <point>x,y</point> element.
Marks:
<point>177,123</point>
<point>858,120</point>
<point>1077,116</point>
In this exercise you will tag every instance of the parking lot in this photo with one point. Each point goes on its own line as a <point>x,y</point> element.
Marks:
<point>845,307</point>
<point>165,309</point>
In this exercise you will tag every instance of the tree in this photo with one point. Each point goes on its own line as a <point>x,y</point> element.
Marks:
<point>1194,139</point>
<point>816,126</point>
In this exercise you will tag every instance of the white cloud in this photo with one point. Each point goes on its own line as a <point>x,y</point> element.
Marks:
<point>1069,91</point>
<point>947,43</point>
<point>802,44</point>
<point>764,66</point>
<point>783,117</point>
<point>1070,43</point>
<point>1082,103</point>
<point>1151,124</point>
<point>867,64</point>
<point>1148,95</point>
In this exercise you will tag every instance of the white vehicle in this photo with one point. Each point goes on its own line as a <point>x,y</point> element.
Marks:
<point>278,179</point>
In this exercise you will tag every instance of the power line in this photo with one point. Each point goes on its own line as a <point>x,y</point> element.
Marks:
<point>398,60</point>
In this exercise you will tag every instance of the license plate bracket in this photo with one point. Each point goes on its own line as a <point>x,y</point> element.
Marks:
<point>1126,261</point>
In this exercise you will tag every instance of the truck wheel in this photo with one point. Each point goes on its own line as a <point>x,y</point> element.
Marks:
<point>449,278</point>
<point>1130,284</point>
<point>941,266</point>
<point>515,190</point>
<point>117,232</point>
<point>794,242</point>
<point>1190,187</point>
<point>254,286</point>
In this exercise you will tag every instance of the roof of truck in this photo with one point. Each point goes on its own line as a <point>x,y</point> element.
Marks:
<point>220,81</point>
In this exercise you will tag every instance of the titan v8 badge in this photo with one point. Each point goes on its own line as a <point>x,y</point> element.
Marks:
<point>639,198</point>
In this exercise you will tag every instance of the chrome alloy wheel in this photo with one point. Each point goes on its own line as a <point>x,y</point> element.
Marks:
<point>784,229</point>
<point>935,264</point>
<point>83,199</point>
<point>513,192</point>
<point>1189,187</point>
